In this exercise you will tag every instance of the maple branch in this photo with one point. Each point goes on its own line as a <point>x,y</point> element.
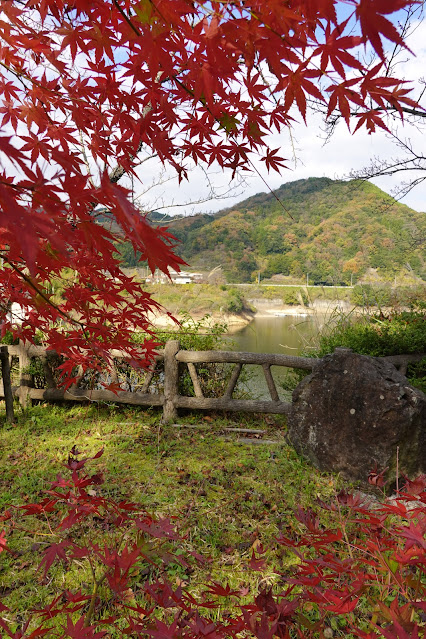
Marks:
<point>410,12</point>
<point>85,158</point>
<point>415,112</point>
<point>127,18</point>
<point>190,203</point>
<point>18,187</point>
<point>213,194</point>
<point>280,202</point>
<point>57,308</point>
<point>18,75</point>
<point>336,116</point>
<point>119,171</point>
<point>414,162</point>
<point>397,46</point>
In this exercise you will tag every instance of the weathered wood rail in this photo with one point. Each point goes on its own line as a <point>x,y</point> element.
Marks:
<point>226,402</point>
<point>170,399</point>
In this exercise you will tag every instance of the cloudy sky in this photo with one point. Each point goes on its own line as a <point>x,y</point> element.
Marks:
<point>307,154</point>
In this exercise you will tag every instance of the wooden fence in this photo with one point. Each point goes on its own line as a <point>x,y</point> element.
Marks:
<point>170,399</point>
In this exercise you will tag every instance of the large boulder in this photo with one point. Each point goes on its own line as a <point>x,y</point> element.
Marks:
<point>353,412</point>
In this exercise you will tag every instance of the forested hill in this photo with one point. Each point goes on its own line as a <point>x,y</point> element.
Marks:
<point>323,227</point>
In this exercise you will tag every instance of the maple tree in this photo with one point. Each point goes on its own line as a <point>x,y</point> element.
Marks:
<point>86,88</point>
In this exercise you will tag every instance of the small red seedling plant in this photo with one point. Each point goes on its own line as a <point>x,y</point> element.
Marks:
<point>367,576</point>
<point>363,575</point>
<point>120,543</point>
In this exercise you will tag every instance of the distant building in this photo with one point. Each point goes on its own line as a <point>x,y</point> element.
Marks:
<point>176,277</point>
<point>16,314</point>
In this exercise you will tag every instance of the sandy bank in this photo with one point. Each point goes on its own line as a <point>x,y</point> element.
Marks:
<point>264,308</point>
<point>164,321</point>
<point>275,308</point>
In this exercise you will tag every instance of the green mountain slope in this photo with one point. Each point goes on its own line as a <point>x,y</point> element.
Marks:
<point>327,228</point>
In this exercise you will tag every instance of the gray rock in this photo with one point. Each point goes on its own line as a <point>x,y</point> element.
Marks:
<point>352,413</point>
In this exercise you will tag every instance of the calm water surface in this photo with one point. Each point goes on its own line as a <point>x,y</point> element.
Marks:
<point>286,335</point>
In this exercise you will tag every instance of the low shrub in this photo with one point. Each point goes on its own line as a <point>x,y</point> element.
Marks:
<point>200,335</point>
<point>290,297</point>
<point>235,302</point>
<point>382,334</point>
<point>371,296</point>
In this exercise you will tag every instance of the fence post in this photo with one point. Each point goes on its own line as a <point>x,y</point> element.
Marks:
<point>25,381</point>
<point>7,385</point>
<point>48,372</point>
<point>171,380</point>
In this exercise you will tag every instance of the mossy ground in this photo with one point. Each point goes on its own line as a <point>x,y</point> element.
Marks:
<point>227,496</point>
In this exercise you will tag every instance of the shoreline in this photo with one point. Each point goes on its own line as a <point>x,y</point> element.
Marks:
<point>263,310</point>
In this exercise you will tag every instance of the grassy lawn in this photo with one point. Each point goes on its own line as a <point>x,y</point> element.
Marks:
<point>227,496</point>
<point>233,503</point>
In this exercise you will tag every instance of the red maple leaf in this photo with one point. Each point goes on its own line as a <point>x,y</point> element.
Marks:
<point>266,602</point>
<point>334,51</point>
<point>274,161</point>
<point>414,533</point>
<point>340,605</point>
<point>79,630</point>
<point>398,632</point>
<point>374,25</point>
<point>53,553</point>
<point>256,563</point>
<point>414,486</point>
<point>3,545</point>
<point>222,591</point>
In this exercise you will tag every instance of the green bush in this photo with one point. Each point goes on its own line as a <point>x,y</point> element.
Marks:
<point>194,335</point>
<point>381,335</point>
<point>290,297</point>
<point>377,335</point>
<point>8,339</point>
<point>380,295</point>
<point>367,295</point>
<point>235,301</point>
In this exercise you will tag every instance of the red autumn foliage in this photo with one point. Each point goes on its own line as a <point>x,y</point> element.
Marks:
<point>365,578</point>
<point>86,86</point>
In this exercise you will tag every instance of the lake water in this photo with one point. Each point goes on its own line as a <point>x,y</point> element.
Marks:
<point>286,335</point>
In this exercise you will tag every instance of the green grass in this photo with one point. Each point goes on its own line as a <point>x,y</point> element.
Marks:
<point>199,299</point>
<point>227,496</point>
<point>207,298</point>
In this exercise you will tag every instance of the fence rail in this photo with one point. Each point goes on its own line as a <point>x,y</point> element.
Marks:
<point>171,400</point>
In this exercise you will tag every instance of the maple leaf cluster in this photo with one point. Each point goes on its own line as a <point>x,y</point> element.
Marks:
<point>365,578</point>
<point>87,86</point>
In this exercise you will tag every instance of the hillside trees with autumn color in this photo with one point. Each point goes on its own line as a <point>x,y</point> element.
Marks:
<point>339,231</point>
<point>91,90</point>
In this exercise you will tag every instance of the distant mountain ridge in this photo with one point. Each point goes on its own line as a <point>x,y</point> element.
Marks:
<point>327,228</point>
